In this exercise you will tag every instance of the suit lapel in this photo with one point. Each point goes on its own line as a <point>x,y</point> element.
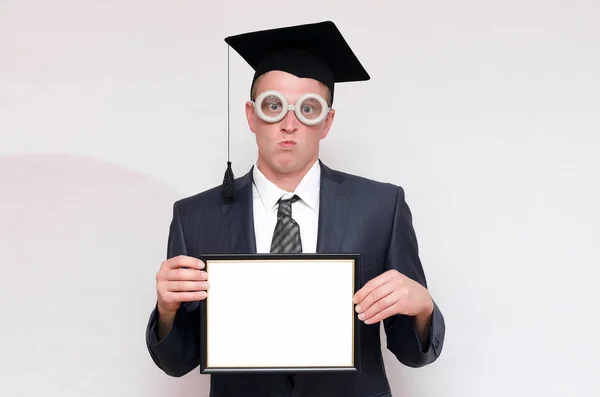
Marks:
<point>335,200</point>
<point>239,219</point>
<point>334,211</point>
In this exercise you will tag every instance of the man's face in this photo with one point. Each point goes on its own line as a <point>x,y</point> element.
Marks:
<point>287,146</point>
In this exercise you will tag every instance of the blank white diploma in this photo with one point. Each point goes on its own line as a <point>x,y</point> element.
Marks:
<point>268,313</point>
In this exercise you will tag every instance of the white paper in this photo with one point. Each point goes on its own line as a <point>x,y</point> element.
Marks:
<point>266,313</point>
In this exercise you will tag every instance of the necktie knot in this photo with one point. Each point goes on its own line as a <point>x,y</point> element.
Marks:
<point>285,206</point>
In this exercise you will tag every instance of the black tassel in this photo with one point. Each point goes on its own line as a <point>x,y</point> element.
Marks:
<point>228,189</point>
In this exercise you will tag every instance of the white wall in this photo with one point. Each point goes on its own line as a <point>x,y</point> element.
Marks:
<point>486,112</point>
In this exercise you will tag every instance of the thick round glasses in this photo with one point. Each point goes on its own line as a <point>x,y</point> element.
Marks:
<point>272,106</point>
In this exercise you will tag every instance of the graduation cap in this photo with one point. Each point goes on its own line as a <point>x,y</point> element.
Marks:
<point>317,51</point>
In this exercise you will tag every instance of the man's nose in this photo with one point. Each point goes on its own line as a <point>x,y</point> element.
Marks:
<point>290,122</point>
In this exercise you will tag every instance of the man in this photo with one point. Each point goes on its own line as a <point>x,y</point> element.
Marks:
<point>291,192</point>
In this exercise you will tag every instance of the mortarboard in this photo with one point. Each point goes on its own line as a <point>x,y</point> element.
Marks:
<point>317,51</point>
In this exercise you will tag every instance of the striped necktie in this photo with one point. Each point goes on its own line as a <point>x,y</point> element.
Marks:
<point>286,237</point>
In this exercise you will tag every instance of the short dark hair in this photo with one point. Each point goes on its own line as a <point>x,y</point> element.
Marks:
<point>259,78</point>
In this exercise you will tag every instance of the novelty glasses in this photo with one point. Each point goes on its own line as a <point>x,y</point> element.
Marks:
<point>272,106</point>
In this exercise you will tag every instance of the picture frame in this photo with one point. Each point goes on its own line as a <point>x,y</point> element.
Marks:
<point>274,313</point>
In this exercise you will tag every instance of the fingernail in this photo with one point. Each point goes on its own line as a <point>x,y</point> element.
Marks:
<point>361,316</point>
<point>358,309</point>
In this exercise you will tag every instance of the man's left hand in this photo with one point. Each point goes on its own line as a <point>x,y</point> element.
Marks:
<point>389,294</point>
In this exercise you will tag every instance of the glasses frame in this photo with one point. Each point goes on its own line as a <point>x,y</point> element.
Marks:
<point>290,107</point>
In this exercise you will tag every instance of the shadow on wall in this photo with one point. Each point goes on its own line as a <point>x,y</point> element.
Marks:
<point>80,243</point>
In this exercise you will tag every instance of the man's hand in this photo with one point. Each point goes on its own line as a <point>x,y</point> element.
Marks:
<point>393,293</point>
<point>180,279</point>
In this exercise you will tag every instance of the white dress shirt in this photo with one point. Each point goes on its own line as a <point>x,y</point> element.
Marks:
<point>305,211</point>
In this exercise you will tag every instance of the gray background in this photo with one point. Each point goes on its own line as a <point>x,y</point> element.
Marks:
<point>487,113</point>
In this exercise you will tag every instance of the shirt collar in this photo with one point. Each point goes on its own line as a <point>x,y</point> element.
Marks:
<point>307,190</point>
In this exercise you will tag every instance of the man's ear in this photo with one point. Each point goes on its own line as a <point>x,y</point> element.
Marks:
<point>328,123</point>
<point>250,115</point>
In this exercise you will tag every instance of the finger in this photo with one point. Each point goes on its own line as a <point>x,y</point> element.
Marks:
<point>177,286</point>
<point>370,286</point>
<point>183,261</point>
<point>186,274</point>
<point>188,296</point>
<point>378,307</point>
<point>382,315</point>
<point>375,297</point>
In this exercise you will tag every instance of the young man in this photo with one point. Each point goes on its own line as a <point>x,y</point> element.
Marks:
<point>290,202</point>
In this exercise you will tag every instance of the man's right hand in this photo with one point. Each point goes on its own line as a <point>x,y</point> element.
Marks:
<point>180,279</point>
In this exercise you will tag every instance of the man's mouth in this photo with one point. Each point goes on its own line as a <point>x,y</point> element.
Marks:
<point>287,144</point>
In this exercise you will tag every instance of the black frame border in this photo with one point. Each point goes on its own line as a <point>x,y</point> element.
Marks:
<point>204,369</point>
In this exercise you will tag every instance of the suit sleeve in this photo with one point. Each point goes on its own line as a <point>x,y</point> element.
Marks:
<point>178,352</point>
<point>403,255</point>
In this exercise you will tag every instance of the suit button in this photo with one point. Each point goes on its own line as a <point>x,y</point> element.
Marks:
<point>437,343</point>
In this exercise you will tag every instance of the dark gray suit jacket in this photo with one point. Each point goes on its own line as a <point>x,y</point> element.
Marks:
<point>356,215</point>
